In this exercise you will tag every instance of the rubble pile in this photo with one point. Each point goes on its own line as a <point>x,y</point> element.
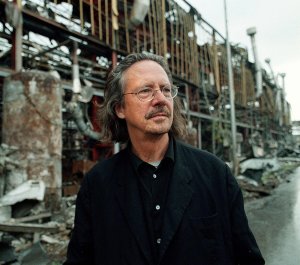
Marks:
<point>29,232</point>
<point>40,237</point>
<point>33,233</point>
<point>259,176</point>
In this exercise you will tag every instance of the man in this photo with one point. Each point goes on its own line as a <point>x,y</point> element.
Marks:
<point>158,201</point>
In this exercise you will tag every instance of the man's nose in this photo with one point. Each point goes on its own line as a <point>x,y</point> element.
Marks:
<point>158,94</point>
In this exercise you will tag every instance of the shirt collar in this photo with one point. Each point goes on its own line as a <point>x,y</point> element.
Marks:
<point>169,155</point>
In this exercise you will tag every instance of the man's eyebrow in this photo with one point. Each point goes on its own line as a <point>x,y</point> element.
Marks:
<point>163,83</point>
<point>151,84</point>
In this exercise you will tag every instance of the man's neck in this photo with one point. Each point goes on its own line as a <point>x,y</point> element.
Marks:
<point>150,149</point>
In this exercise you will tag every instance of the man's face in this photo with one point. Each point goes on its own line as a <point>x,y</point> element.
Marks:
<point>152,117</point>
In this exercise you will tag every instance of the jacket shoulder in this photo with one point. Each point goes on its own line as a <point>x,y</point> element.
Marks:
<point>105,168</point>
<point>192,152</point>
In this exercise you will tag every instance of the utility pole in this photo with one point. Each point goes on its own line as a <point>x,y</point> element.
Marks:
<point>284,104</point>
<point>231,93</point>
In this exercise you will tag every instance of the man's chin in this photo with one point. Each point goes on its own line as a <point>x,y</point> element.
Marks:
<point>160,132</point>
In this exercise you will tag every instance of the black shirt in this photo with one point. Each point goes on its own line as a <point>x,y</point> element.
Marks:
<point>153,185</point>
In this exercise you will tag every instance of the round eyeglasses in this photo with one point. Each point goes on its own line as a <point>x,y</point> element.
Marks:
<point>147,93</point>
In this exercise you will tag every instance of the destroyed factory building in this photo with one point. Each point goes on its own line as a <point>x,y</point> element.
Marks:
<point>54,59</point>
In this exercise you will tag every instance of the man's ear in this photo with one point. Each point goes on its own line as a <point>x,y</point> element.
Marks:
<point>119,109</point>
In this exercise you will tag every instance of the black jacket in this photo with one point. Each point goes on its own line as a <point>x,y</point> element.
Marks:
<point>204,222</point>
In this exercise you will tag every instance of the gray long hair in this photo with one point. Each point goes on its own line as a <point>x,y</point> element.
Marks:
<point>114,128</point>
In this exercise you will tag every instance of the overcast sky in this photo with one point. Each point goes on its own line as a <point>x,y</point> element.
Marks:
<point>278,35</point>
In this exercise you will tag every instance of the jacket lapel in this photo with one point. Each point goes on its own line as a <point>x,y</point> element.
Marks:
<point>131,205</point>
<point>180,194</point>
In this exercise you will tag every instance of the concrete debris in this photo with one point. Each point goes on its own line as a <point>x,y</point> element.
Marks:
<point>260,164</point>
<point>255,174</point>
<point>289,159</point>
<point>254,168</point>
<point>260,190</point>
<point>31,189</point>
<point>260,176</point>
<point>31,218</point>
<point>29,228</point>
<point>287,152</point>
<point>248,180</point>
<point>50,240</point>
<point>252,188</point>
<point>40,238</point>
<point>20,244</point>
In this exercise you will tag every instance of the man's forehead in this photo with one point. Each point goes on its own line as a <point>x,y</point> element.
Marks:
<point>146,79</point>
<point>140,72</point>
<point>146,64</point>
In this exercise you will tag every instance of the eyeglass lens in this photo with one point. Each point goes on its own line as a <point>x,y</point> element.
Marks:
<point>148,93</point>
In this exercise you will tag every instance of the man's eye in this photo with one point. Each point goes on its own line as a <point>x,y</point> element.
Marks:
<point>167,89</point>
<point>145,90</point>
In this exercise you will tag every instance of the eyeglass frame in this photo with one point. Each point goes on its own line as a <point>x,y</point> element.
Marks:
<point>154,91</point>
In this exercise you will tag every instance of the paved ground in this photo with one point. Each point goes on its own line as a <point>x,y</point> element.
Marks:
<point>275,222</point>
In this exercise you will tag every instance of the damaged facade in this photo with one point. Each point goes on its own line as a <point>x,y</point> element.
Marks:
<point>54,58</point>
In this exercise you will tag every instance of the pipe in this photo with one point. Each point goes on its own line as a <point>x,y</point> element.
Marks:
<point>77,115</point>
<point>283,91</point>
<point>285,107</point>
<point>278,92</point>
<point>75,70</point>
<point>138,12</point>
<point>258,73</point>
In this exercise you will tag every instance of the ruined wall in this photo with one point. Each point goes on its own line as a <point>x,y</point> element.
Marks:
<point>32,121</point>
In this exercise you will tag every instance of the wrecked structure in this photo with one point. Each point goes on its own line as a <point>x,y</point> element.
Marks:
<point>54,59</point>
<point>55,55</point>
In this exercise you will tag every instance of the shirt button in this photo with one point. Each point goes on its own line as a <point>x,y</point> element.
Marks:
<point>157,207</point>
<point>154,176</point>
<point>158,241</point>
